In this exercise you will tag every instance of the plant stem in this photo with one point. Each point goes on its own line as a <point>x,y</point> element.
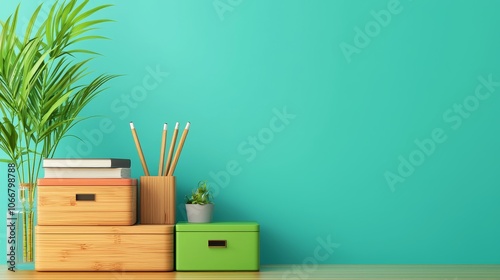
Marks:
<point>26,194</point>
<point>30,236</point>
<point>25,237</point>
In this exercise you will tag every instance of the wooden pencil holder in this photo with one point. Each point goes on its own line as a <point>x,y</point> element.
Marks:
<point>157,201</point>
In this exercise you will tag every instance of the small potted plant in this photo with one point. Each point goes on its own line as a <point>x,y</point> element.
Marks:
<point>199,205</point>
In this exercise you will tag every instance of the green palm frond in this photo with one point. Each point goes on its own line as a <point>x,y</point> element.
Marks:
<point>43,86</point>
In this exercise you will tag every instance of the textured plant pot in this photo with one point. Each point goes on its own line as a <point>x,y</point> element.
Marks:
<point>197,213</point>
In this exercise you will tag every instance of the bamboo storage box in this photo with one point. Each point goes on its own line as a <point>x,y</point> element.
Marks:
<point>104,248</point>
<point>217,246</point>
<point>71,202</point>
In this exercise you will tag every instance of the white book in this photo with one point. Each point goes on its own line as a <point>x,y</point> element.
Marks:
<point>62,172</point>
<point>87,162</point>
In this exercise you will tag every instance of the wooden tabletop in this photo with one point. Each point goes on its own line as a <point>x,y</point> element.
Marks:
<point>340,272</point>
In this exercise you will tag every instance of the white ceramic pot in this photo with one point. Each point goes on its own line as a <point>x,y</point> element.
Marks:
<point>197,213</point>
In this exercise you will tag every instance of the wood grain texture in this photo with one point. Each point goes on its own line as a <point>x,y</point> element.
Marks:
<point>339,272</point>
<point>105,248</point>
<point>157,200</point>
<point>86,182</point>
<point>142,229</point>
<point>113,205</point>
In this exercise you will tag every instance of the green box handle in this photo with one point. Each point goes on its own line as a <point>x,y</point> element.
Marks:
<point>217,243</point>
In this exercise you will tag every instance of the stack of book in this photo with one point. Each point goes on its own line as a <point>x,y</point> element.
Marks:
<point>86,168</point>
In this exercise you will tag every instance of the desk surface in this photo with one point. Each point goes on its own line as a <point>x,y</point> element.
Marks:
<point>340,272</point>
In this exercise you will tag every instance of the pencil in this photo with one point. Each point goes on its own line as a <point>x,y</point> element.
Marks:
<point>179,149</point>
<point>139,149</point>
<point>162,149</point>
<point>172,145</point>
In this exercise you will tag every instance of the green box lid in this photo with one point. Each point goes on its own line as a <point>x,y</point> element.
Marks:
<point>218,226</point>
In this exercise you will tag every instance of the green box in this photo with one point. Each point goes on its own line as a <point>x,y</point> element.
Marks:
<point>224,246</point>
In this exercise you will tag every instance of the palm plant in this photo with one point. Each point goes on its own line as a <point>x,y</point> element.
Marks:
<point>43,88</point>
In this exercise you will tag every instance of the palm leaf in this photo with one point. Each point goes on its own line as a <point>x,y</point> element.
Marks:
<point>43,85</point>
<point>31,24</point>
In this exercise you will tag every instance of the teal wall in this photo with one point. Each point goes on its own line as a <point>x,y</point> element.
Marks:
<point>378,137</point>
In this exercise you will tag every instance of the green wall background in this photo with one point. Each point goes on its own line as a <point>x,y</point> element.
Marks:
<point>312,117</point>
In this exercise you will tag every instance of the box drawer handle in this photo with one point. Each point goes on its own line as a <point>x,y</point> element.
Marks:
<point>217,243</point>
<point>85,197</point>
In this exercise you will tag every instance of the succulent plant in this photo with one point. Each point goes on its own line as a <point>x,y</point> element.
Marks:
<point>200,195</point>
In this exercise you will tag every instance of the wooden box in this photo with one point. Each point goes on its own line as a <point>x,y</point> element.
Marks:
<point>104,248</point>
<point>69,201</point>
<point>157,200</point>
<point>217,246</point>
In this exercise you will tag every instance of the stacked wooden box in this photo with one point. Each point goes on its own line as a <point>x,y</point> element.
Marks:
<point>87,213</point>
